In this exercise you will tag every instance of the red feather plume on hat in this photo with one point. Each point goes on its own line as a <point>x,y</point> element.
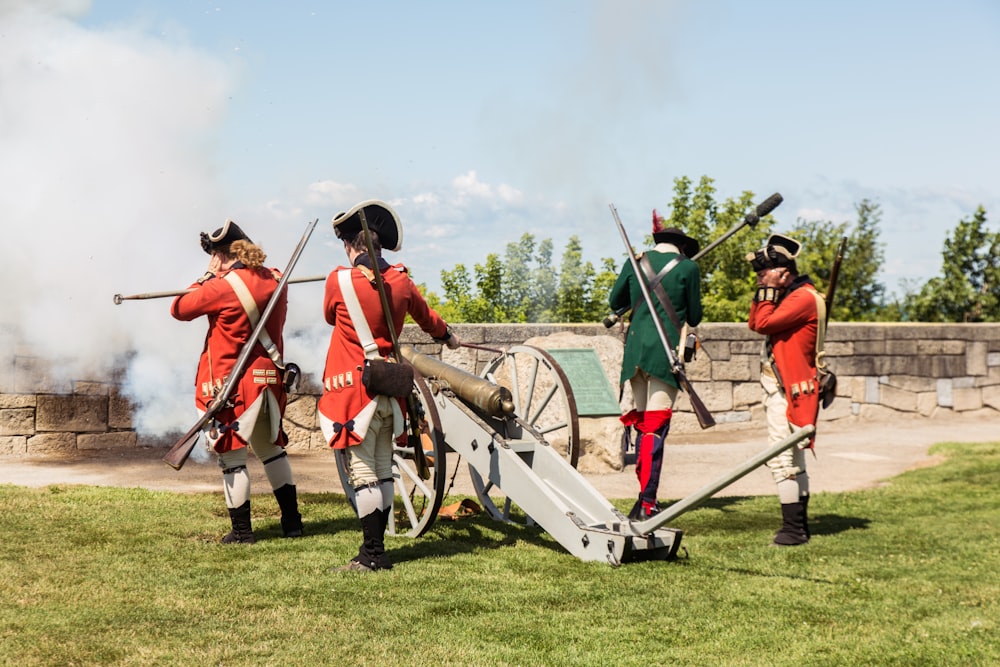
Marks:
<point>658,221</point>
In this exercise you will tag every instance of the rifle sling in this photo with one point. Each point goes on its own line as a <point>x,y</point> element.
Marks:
<point>657,287</point>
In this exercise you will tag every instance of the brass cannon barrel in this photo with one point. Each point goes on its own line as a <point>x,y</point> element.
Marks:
<point>493,399</point>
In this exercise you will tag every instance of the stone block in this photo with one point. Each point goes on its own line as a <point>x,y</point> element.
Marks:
<point>736,369</point>
<point>717,396</point>
<point>716,350</point>
<point>112,440</point>
<point>927,403</point>
<point>845,349</point>
<point>856,365</point>
<point>910,382</point>
<point>750,347</point>
<point>17,421</point>
<point>18,401</point>
<point>944,393</point>
<point>747,393</point>
<point>600,444</point>
<point>928,347</point>
<point>89,388</point>
<point>51,443</point>
<point>33,375</point>
<point>993,359</point>
<point>301,412</point>
<point>901,347</point>
<point>845,331</point>
<point>71,413</point>
<point>975,358</point>
<point>15,445</point>
<point>898,399</point>
<point>991,396</point>
<point>298,437</point>
<point>866,347</point>
<point>839,409</point>
<point>120,410</point>
<point>967,398</point>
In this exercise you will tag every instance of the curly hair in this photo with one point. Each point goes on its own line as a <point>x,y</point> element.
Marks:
<point>250,254</point>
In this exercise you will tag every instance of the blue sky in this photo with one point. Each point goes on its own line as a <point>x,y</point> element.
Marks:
<point>129,127</point>
<point>485,120</point>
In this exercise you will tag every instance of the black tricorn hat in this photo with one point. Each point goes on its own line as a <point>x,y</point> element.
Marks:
<point>661,234</point>
<point>222,237</point>
<point>778,251</point>
<point>380,218</point>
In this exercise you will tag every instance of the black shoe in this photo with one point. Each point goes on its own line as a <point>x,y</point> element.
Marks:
<point>242,533</point>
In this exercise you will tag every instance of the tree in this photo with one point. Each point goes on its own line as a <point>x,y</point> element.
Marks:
<point>859,297</point>
<point>969,288</point>
<point>576,278</point>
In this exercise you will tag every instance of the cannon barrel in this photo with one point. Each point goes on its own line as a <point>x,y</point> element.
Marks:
<point>493,399</point>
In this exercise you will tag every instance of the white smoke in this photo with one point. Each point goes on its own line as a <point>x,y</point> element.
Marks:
<point>108,175</point>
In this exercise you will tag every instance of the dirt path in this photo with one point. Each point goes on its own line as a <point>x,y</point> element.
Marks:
<point>848,457</point>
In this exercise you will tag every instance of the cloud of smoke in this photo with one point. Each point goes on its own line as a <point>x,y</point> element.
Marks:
<point>108,177</point>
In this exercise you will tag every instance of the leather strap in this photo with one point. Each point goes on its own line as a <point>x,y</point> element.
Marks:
<point>253,314</point>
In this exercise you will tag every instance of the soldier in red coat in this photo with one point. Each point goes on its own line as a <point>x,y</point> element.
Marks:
<point>232,294</point>
<point>787,311</point>
<point>350,415</point>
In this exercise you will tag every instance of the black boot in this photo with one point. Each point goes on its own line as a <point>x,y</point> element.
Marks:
<point>371,547</point>
<point>381,559</point>
<point>291,520</point>
<point>794,530</point>
<point>241,532</point>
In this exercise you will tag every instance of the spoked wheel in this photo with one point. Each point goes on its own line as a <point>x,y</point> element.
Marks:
<point>417,500</point>
<point>543,400</point>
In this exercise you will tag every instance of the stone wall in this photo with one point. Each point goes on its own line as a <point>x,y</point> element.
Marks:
<point>885,371</point>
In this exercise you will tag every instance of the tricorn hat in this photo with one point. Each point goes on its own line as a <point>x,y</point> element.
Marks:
<point>661,234</point>
<point>380,218</point>
<point>778,251</point>
<point>222,237</point>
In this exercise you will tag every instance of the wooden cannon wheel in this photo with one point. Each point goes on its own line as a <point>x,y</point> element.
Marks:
<point>544,400</point>
<point>417,500</point>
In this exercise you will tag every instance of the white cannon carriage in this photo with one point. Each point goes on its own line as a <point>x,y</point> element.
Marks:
<point>499,423</point>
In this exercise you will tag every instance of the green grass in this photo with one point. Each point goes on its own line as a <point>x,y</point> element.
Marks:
<point>907,574</point>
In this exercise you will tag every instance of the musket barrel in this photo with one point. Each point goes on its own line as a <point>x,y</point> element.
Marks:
<point>492,399</point>
<point>119,299</point>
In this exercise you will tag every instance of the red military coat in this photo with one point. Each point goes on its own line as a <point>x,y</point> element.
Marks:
<point>346,404</point>
<point>228,329</point>
<point>791,323</point>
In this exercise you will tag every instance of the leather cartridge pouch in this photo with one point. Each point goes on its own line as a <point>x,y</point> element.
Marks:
<point>387,378</point>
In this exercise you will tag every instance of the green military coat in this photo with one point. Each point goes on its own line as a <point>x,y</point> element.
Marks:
<point>643,348</point>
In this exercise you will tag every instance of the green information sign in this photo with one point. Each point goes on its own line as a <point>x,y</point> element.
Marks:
<point>591,389</point>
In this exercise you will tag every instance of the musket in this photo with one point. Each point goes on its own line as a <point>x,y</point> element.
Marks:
<point>831,290</point>
<point>750,220</point>
<point>705,418</point>
<point>179,453</point>
<point>419,459</point>
<point>159,295</point>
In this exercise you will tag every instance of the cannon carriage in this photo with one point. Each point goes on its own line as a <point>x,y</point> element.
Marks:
<point>517,428</point>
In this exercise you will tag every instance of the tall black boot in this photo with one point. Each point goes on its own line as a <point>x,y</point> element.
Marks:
<point>380,557</point>
<point>794,530</point>
<point>371,546</point>
<point>241,532</point>
<point>291,520</point>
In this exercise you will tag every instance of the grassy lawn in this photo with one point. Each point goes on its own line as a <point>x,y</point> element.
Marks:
<point>907,574</point>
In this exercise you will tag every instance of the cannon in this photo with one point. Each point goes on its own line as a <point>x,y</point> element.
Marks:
<point>497,424</point>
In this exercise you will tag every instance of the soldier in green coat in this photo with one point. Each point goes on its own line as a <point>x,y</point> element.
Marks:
<point>645,364</point>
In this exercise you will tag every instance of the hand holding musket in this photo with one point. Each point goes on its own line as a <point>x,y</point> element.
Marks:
<point>119,299</point>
